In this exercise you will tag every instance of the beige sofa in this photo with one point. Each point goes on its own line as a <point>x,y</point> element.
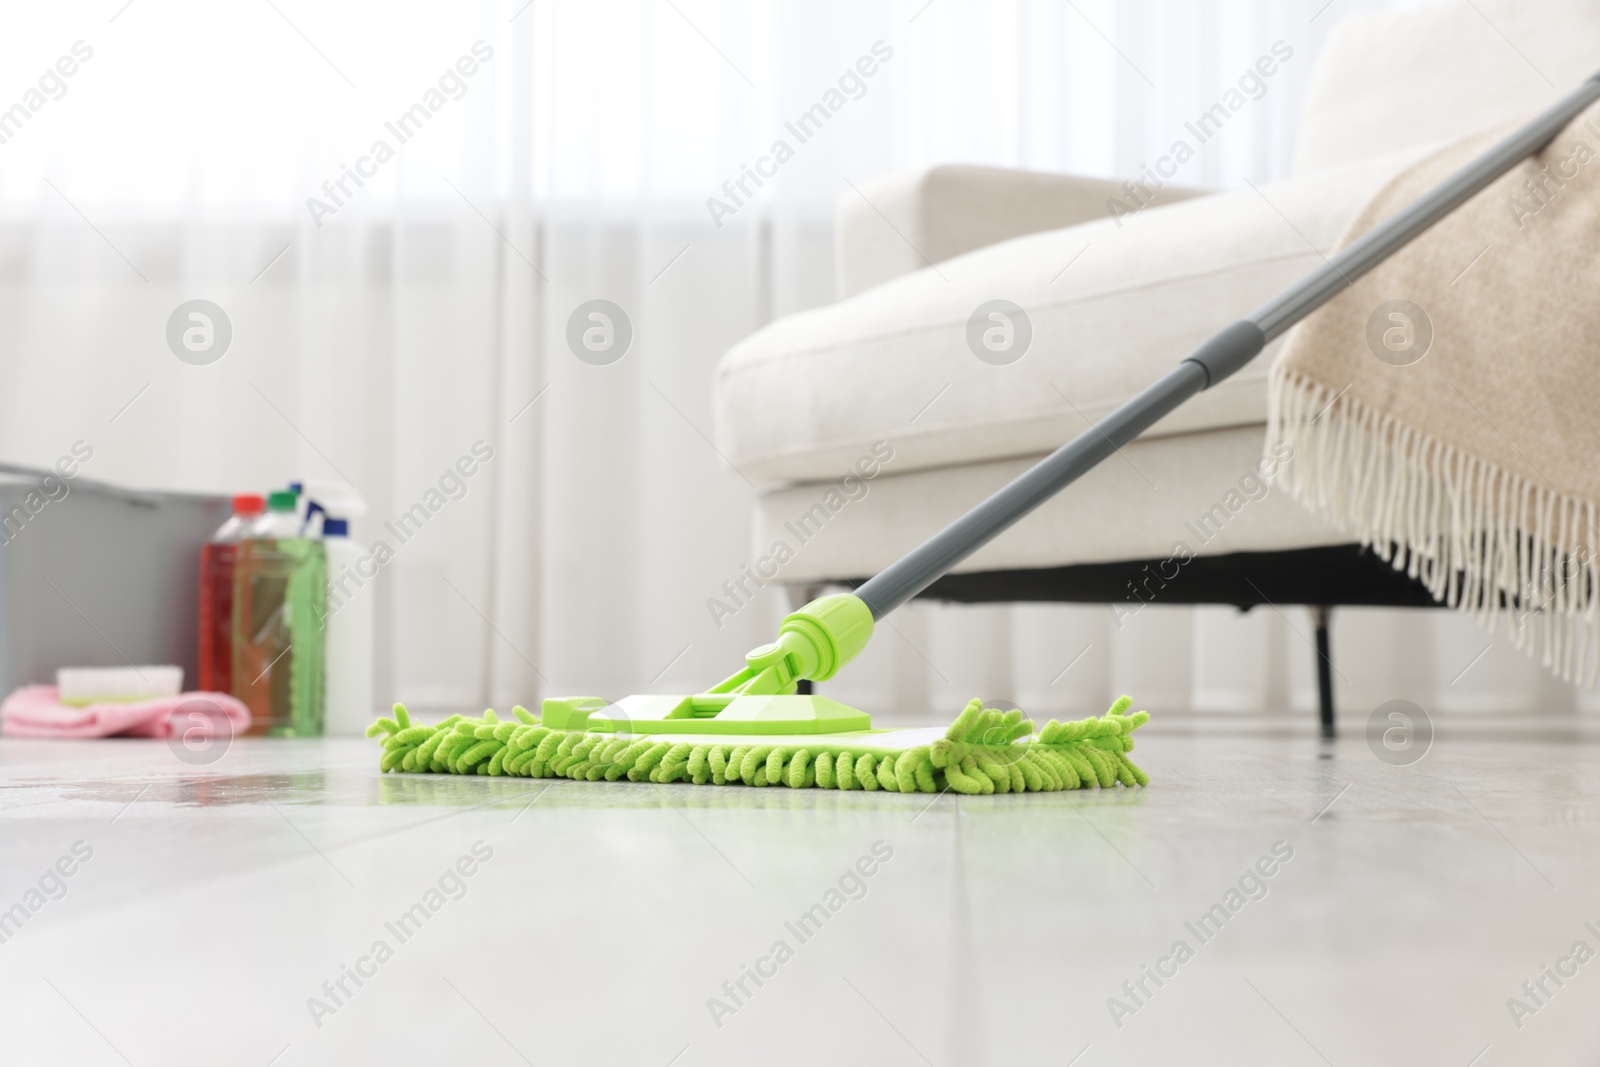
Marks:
<point>1112,304</point>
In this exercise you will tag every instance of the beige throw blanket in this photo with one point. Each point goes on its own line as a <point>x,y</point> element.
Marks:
<point>1446,408</point>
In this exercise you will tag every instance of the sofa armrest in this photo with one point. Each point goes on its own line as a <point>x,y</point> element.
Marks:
<point>903,222</point>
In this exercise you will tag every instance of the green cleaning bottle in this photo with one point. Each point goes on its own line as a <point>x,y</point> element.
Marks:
<point>278,602</point>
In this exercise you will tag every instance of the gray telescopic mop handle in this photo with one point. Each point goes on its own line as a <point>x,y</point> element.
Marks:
<point>1214,360</point>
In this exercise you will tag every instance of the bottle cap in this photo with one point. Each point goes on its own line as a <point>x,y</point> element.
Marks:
<point>248,504</point>
<point>335,528</point>
<point>281,500</point>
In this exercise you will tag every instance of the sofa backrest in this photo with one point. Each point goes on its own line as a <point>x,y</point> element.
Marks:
<point>1393,80</point>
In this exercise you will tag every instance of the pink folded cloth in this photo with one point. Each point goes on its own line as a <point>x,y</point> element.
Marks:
<point>37,711</point>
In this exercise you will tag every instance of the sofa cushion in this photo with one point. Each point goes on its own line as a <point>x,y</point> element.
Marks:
<point>1113,304</point>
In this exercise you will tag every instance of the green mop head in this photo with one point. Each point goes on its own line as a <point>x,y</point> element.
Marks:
<point>752,729</point>
<point>985,751</point>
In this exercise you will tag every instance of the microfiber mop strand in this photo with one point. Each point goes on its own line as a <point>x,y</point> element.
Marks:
<point>985,751</point>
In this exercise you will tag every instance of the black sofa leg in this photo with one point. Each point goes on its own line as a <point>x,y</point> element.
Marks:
<point>1321,613</point>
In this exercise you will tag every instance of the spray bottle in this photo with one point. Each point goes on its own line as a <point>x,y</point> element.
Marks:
<point>348,623</point>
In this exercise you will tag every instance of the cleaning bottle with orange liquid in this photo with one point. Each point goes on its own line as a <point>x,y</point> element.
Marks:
<point>217,558</point>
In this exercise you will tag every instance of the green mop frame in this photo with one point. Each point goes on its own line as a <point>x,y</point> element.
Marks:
<point>754,729</point>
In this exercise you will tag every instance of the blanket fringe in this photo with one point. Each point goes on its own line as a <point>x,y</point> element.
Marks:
<point>1485,541</point>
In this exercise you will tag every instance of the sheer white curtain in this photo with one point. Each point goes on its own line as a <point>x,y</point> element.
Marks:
<point>380,334</point>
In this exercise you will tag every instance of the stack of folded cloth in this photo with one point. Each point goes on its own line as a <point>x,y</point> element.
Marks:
<point>123,702</point>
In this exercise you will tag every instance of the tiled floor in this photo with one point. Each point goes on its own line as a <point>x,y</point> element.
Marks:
<point>1405,906</point>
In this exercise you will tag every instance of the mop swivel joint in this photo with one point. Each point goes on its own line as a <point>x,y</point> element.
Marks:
<point>813,642</point>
